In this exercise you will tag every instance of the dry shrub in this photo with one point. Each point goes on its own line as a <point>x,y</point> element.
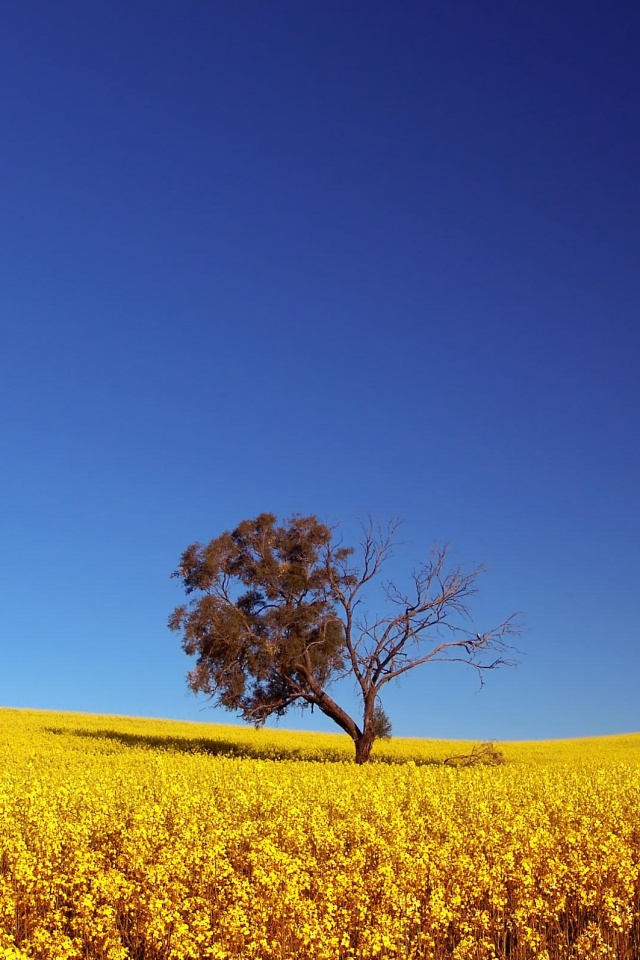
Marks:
<point>486,754</point>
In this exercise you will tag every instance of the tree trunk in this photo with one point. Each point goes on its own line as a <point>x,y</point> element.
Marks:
<point>364,743</point>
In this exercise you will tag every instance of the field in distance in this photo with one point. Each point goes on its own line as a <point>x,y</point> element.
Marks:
<point>125,839</point>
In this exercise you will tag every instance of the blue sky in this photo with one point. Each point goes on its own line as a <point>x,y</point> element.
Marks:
<point>343,259</point>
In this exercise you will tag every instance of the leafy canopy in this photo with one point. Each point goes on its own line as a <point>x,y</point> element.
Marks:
<point>265,627</point>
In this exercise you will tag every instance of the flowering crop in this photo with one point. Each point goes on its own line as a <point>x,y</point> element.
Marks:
<point>126,839</point>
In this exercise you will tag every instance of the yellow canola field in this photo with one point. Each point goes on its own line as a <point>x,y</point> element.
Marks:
<point>132,839</point>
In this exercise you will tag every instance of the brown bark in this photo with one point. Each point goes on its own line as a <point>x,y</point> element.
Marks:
<point>364,743</point>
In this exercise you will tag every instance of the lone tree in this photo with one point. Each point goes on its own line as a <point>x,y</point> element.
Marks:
<point>277,616</point>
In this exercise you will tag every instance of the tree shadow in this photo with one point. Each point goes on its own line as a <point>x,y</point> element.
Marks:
<point>224,748</point>
<point>207,745</point>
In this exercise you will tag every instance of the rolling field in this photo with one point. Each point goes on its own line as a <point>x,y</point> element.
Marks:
<point>147,840</point>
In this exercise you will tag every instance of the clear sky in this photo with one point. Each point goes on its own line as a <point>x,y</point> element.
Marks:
<point>332,258</point>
